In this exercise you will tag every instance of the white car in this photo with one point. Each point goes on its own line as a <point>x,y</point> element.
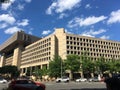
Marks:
<point>81,80</point>
<point>63,79</point>
<point>2,80</point>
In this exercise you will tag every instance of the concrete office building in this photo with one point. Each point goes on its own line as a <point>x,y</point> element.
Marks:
<point>26,51</point>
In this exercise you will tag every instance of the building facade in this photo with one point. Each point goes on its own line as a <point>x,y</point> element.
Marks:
<point>27,51</point>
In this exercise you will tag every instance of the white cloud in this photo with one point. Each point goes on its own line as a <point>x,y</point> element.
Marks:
<point>3,25</point>
<point>84,34</point>
<point>62,16</point>
<point>28,1</point>
<point>88,6</point>
<point>49,10</point>
<point>114,17</point>
<point>46,32</point>
<point>68,31</point>
<point>105,37</point>
<point>93,33</point>
<point>30,32</point>
<point>12,30</point>
<point>5,6</point>
<point>20,6</point>
<point>60,6</point>
<point>85,22</point>
<point>24,22</point>
<point>7,18</point>
<point>74,22</point>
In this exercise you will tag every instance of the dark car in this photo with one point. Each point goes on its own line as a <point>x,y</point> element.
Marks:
<point>25,85</point>
<point>113,83</point>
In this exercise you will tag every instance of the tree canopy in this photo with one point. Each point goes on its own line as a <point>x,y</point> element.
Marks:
<point>12,70</point>
<point>55,67</point>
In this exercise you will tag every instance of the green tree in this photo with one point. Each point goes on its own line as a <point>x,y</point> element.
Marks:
<point>55,67</point>
<point>11,70</point>
<point>44,71</point>
<point>38,73</point>
<point>114,66</point>
<point>87,65</point>
<point>102,65</point>
<point>72,64</point>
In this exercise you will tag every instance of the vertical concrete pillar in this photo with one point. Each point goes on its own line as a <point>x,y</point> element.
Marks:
<point>2,61</point>
<point>21,71</point>
<point>41,66</point>
<point>26,70</point>
<point>17,56</point>
<point>47,66</point>
<point>61,41</point>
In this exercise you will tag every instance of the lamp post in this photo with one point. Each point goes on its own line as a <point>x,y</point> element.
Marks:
<point>61,68</point>
<point>62,65</point>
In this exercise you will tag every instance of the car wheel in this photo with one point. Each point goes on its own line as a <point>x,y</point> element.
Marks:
<point>40,88</point>
<point>67,81</point>
<point>58,81</point>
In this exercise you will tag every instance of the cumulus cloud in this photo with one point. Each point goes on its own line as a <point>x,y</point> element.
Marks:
<point>12,30</point>
<point>105,37</point>
<point>3,25</point>
<point>62,16</point>
<point>24,22</point>
<point>114,17</point>
<point>46,32</point>
<point>88,6</point>
<point>5,6</point>
<point>85,22</point>
<point>7,18</point>
<point>60,6</point>
<point>93,33</point>
<point>20,6</point>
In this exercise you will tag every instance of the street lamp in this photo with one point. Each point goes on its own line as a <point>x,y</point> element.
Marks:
<point>61,68</point>
<point>62,64</point>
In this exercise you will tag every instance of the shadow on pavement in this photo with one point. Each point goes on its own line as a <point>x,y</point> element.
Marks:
<point>87,89</point>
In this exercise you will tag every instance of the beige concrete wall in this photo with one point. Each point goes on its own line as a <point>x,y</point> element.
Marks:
<point>17,56</point>
<point>61,36</point>
<point>54,48</point>
<point>2,60</point>
<point>43,50</point>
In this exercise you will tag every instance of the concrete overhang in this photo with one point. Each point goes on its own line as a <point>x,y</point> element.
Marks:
<point>19,38</point>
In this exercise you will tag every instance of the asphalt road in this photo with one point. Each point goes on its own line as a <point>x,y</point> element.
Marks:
<point>70,86</point>
<point>76,86</point>
<point>3,86</point>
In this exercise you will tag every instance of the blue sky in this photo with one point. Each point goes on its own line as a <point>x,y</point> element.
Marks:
<point>93,18</point>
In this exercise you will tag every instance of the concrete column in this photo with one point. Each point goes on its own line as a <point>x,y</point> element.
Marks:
<point>2,61</point>
<point>21,71</point>
<point>41,66</point>
<point>26,70</point>
<point>17,56</point>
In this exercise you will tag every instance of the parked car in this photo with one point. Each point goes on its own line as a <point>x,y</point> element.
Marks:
<point>25,85</point>
<point>94,79</point>
<point>63,79</point>
<point>81,80</point>
<point>2,80</point>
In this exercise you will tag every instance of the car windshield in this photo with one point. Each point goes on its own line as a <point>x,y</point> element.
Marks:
<point>64,77</point>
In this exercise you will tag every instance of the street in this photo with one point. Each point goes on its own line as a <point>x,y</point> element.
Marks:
<point>3,86</point>
<point>76,86</point>
<point>70,86</point>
